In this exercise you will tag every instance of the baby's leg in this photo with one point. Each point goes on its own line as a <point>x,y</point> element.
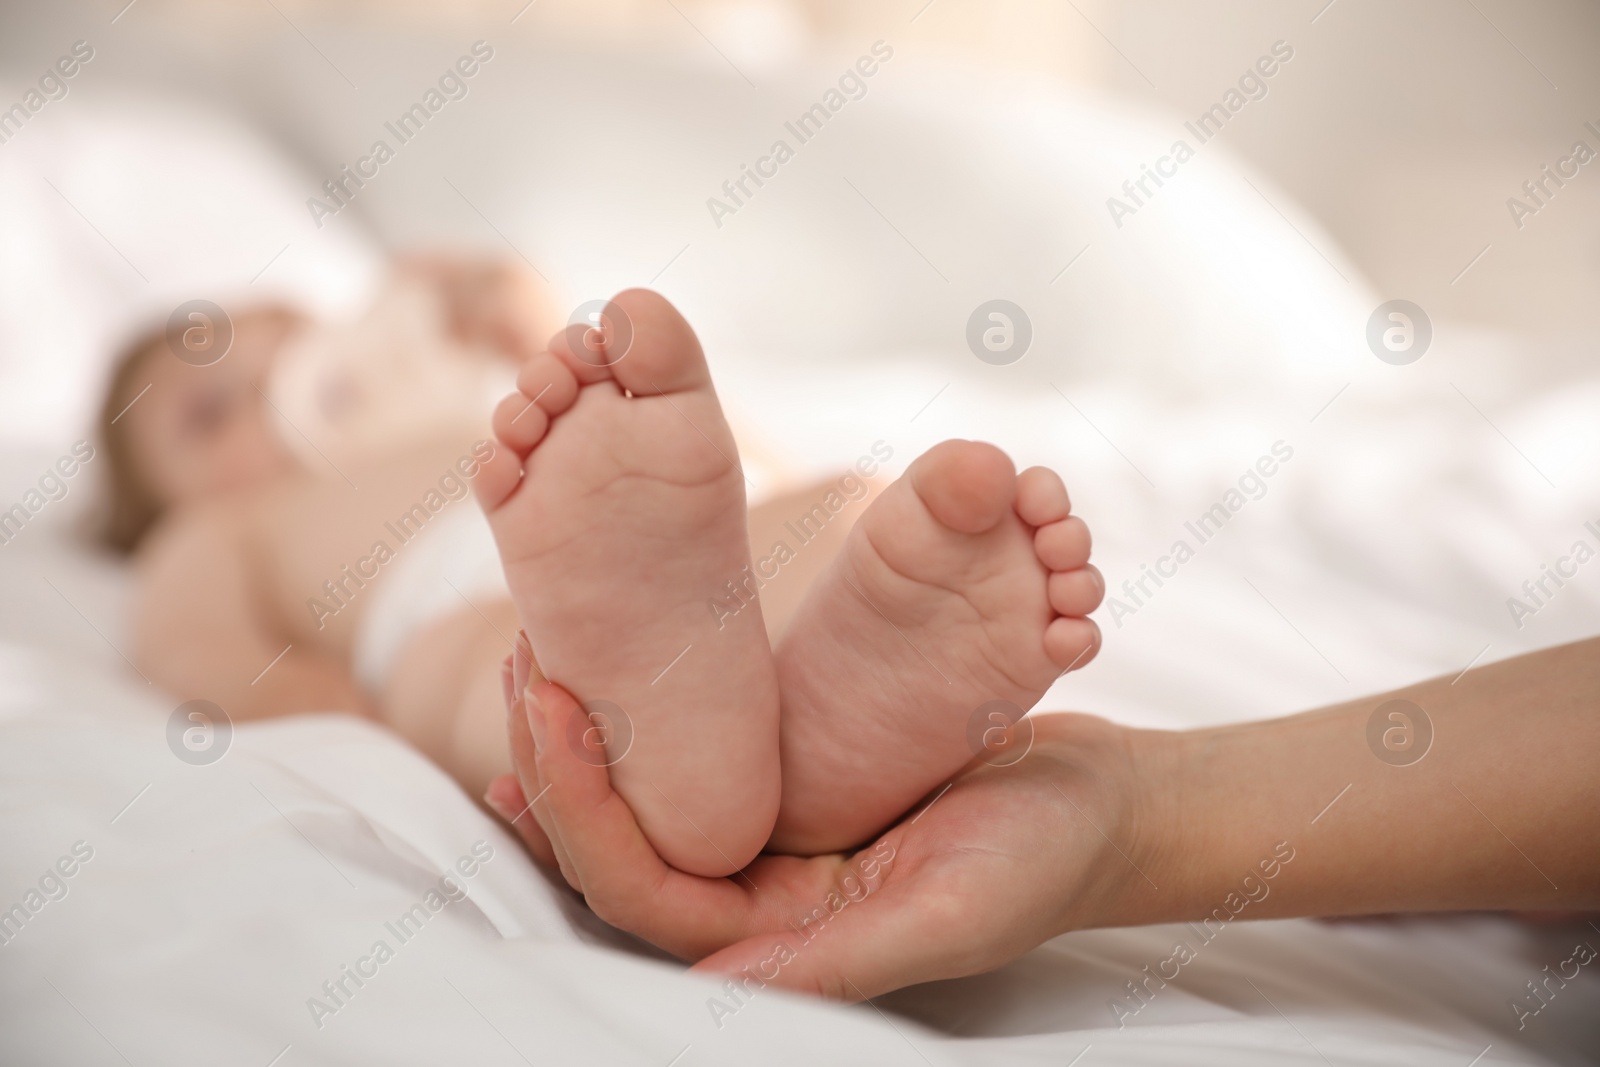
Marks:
<point>444,694</point>
<point>618,507</point>
<point>963,584</point>
<point>786,566</point>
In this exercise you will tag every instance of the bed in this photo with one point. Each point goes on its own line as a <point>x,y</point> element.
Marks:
<point>230,911</point>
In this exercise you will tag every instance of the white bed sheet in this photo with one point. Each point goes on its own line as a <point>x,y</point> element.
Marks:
<point>220,898</point>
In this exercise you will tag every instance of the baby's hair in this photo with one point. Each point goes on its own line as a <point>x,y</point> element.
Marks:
<point>130,506</point>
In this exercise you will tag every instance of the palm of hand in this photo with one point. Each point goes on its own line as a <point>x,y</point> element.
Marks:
<point>993,867</point>
<point>990,868</point>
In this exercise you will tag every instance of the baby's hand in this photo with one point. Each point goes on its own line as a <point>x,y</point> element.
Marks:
<point>489,303</point>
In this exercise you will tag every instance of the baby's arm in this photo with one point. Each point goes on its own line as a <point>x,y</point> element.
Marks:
<point>202,633</point>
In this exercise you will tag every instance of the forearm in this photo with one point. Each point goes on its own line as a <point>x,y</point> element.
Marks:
<point>1502,811</point>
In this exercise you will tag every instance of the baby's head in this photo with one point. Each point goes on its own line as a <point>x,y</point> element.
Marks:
<point>196,431</point>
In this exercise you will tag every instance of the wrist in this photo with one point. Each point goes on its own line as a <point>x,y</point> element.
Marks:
<point>1209,829</point>
<point>1165,845</point>
<point>1110,779</point>
<point>1219,816</point>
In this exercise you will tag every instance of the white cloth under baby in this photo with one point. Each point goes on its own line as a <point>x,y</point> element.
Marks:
<point>450,565</point>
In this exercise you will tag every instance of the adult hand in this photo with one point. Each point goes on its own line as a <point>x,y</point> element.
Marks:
<point>1002,860</point>
<point>506,793</point>
<point>1069,836</point>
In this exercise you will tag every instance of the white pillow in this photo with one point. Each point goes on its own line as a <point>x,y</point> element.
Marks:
<point>117,211</point>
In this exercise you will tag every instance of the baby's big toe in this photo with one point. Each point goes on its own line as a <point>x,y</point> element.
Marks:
<point>966,485</point>
<point>662,353</point>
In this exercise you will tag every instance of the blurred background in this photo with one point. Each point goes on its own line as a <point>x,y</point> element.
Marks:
<point>1171,346</point>
<point>1401,128</point>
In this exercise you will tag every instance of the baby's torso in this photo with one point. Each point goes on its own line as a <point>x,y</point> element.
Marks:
<point>324,546</point>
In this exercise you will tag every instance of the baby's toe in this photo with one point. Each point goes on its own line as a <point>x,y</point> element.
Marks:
<point>548,382</point>
<point>1077,592</point>
<point>650,346</point>
<point>497,478</point>
<point>520,423</point>
<point>581,351</point>
<point>1041,497</point>
<point>1064,545</point>
<point>1071,642</point>
<point>966,486</point>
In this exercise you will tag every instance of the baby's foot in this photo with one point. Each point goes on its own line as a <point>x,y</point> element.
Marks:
<point>962,584</point>
<point>618,507</point>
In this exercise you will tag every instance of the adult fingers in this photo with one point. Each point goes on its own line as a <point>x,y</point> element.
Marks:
<point>508,794</point>
<point>872,946</point>
<point>535,818</point>
<point>618,871</point>
<point>523,666</point>
<point>524,756</point>
<point>505,796</point>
